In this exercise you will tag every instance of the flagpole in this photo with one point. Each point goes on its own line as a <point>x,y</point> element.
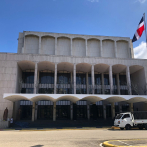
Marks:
<point>145,29</point>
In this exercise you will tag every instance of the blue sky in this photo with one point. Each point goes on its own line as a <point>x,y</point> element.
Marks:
<point>90,17</point>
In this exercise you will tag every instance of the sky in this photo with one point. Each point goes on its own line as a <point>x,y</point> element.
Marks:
<point>88,17</point>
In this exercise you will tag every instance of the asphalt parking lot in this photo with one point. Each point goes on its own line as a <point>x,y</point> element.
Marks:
<point>67,137</point>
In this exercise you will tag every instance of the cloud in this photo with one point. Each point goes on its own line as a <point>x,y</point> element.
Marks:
<point>141,1</point>
<point>141,51</point>
<point>93,1</point>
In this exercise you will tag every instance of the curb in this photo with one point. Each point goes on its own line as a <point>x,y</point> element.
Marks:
<point>107,144</point>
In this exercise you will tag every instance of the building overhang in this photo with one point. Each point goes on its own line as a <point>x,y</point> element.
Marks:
<point>75,97</point>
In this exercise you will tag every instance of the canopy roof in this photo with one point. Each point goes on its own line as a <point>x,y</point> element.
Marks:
<point>75,97</point>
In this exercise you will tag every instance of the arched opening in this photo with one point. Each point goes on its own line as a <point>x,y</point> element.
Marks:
<point>43,107</point>
<point>101,76</point>
<point>93,47</point>
<point>31,44</point>
<point>122,49</point>
<point>108,48</point>
<point>83,79</point>
<point>138,85</point>
<point>63,46</point>
<point>78,47</point>
<point>119,79</point>
<point>46,77</point>
<point>48,45</point>
<point>64,107</point>
<point>25,81</point>
<point>64,78</point>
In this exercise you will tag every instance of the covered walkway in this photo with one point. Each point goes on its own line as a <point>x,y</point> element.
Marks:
<point>73,106</point>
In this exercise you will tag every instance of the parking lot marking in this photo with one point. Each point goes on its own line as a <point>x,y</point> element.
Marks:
<point>124,143</point>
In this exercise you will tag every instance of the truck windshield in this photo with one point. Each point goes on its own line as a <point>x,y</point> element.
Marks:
<point>118,116</point>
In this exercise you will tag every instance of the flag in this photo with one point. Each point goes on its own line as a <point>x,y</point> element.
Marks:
<point>140,29</point>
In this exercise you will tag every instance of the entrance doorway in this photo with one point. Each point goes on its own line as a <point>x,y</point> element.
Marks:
<point>63,110</point>
<point>45,110</point>
<point>25,110</point>
<point>81,110</point>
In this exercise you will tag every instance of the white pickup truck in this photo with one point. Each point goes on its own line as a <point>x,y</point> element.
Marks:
<point>129,120</point>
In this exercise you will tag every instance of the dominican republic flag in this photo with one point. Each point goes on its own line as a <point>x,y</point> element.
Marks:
<point>140,29</point>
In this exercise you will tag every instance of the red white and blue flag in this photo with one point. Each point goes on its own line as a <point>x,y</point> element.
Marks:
<point>140,29</point>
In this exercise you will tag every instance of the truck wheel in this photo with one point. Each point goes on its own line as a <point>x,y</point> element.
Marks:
<point>146,126</point>
<point>122,128</point>
<point>140,127</point>
<point>128,127</point>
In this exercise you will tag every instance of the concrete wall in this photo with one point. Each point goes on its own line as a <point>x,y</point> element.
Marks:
<point>20,42</point>
<point>8,74</point>
<point>9,70</point>
<point>108,48</point>
<point>79,47</point>
<point>31,44</point>
<point>93,48</point>
<point>122,49</point>
<point>75,45</point>
<point>48,45</point>
<point>4,124</point>
<point>63,46</point>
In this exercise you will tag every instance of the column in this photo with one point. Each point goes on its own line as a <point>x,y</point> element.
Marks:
<point>55,79</point>
<point>120,108</point>
<point>86,47</point>
<point>71,111</point>
<point>115,44</point>
<point>131,107</point>
<point>74,78</point>
<point>92,76</point>
<point>104,111</point>
<point>71,46</point>
<point>36,108</point>
<point>129,49</point>
<point>87,84</point>
<point>103,89</point>
<point>40,45</point>
<point>128,80</point>
<point>88,111</point>
<point>54,111</point>
<point>118,85</point>
<point>111,79</point>
<point>14,112</point>
<point>101,48</point>
<point>71,84</point>
<point>55,45</point>
<point>35,78</point>
<point>24,46</point>
<point>113,110</point>
<point>33,111</point>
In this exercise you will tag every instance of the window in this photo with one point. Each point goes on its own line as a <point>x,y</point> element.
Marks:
<point>126,116</point>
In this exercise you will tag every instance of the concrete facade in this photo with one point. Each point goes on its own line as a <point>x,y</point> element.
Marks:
<point>90,54</point>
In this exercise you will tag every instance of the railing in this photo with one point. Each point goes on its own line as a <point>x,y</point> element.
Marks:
<point>26,88</point>
<point>98,89</point>
<point>64,89</point>
<point>81,89</point>
<point>106,89</point>
<point>115,89</point>
<point>45,85</point>
<point>123,89</point>
<point>27,85</point>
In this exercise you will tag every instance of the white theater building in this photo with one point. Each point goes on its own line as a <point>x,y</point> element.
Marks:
<point>57,76</point>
